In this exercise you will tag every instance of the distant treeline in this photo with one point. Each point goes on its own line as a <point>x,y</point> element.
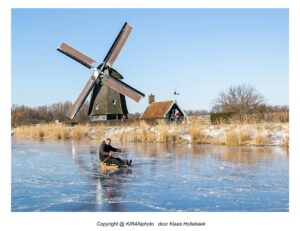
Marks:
<point>237,103</point>
<point>21,114</point>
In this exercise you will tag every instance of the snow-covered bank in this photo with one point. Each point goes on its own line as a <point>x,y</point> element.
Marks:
<point>228,134</point>
<point>238,134</point>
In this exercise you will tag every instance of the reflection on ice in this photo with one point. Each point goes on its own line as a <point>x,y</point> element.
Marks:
<point>65,176</point>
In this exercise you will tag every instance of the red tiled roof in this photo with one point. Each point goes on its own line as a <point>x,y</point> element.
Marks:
<point>157,110</point>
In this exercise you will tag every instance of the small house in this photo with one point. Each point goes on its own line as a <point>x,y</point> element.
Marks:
<point>168,110</point>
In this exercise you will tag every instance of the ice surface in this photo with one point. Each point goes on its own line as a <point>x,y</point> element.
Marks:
<point>65,176</point>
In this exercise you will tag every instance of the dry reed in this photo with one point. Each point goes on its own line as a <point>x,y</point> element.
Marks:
<point>79,132</point>
<point>231,138</point>
<point>257,118</point>
<point>197,135</point>
<point>194,132</point>
<point>162,130</point>
<point>237,138</point>
<point>287,142</point>
<point>261,140</point>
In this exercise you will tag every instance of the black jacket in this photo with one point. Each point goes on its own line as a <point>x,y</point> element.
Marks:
<point>105,149</point>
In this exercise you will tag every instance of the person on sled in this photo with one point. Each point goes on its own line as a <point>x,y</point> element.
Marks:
<point>105,154</point>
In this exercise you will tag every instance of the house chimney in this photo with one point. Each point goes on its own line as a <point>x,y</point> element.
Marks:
<point>151,99</point>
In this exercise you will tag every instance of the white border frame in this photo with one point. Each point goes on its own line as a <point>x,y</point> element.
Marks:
<point>87,221</point>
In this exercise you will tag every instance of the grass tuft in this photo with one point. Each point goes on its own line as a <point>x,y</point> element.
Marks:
<point>287,142</point>
<point>79,132</point>
<point>234,138</point>
<point>261,140</point>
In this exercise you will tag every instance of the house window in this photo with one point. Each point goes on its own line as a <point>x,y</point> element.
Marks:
<point>114,101</point>
<point>97,107</point>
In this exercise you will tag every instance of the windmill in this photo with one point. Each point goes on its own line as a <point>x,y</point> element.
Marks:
<point>108,96</point>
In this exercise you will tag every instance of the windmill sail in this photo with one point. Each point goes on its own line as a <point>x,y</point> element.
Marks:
<point>81,98</point>
<point>117,45</point>
<point>123,88</point>
<point>76,55</point>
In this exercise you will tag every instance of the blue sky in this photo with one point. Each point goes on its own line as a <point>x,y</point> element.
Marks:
<point>198,52</point>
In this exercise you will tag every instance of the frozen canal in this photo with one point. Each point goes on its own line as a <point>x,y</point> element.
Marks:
<point>65,176</point>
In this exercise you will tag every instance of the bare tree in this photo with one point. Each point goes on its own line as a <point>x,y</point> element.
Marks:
<point>239,99</point>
